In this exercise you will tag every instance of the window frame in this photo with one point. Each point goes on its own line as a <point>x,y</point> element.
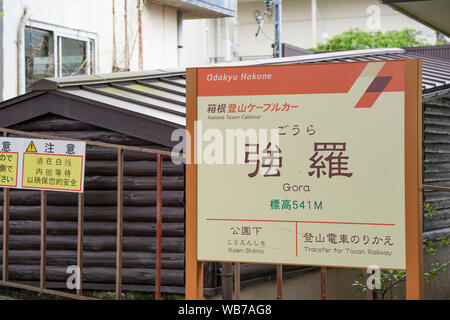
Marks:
<point>89,38</point>
<point>28,78</point>
<point>59,57</point>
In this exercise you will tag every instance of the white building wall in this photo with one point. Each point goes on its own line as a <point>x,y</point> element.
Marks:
<point>160,33</point>
<point>334,17</point>
<point>197,41</point>
<point>95,17</point>
<point>160,30</point>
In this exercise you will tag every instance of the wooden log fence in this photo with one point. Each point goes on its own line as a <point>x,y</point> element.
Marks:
<point>45,236</point>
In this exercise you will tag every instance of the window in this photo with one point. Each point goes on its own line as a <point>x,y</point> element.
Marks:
<point>39,55</point>
<point>73,57</point>
<point>55,52</point>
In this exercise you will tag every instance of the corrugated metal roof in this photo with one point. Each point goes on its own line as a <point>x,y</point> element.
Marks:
<point>158,94</point>
<point>159,110</point>
<point>439,52</point>
<point>161,94</point>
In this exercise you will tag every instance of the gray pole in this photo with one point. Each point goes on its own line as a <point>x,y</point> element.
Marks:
<point>218,40</point>
<point>277,44</point>
<point>227,281</point>
<point>180,38</point>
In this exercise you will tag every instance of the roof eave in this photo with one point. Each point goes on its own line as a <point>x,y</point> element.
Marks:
<point>392,4</point>
<point>442,91</point>
<point>55,83</point>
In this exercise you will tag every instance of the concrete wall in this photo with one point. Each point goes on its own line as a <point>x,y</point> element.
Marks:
<point>160,36</point>
<point>198,47</point>
<point>334,17</point>
<point>95,17</point>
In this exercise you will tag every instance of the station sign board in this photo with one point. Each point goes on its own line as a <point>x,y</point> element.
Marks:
<point>305,164</point>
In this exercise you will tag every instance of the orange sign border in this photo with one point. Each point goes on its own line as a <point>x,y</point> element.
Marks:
<point>413,184</point>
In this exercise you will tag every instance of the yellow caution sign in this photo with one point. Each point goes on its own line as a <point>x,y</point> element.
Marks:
<point>31,147</point>
<point>52,171</point>
<point>42,164</point>
<point>8,169</point>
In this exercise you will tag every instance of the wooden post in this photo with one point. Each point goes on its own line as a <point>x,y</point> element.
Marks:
<point>323,283</point>
<point>158,227</point>
<point>43,239</point>
<point>194,268</point>
<point>119,223</point>
<point>237,281</point>
<point>279,282</point>
<point>5,234</point>
<point>5,248</point>
<point>413,175</point>
<point>80,241</point>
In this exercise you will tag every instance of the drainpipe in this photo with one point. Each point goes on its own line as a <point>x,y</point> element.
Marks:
<point>115,67</point>
<point>235,39</point>
<point>314,22</point>
<point>218,39</point>
<point>277,44</point>
<point>20,51</point>
<point>180,38</point>
<point>140,54</point>
<point>126,51</point>
<point>227,40</point>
